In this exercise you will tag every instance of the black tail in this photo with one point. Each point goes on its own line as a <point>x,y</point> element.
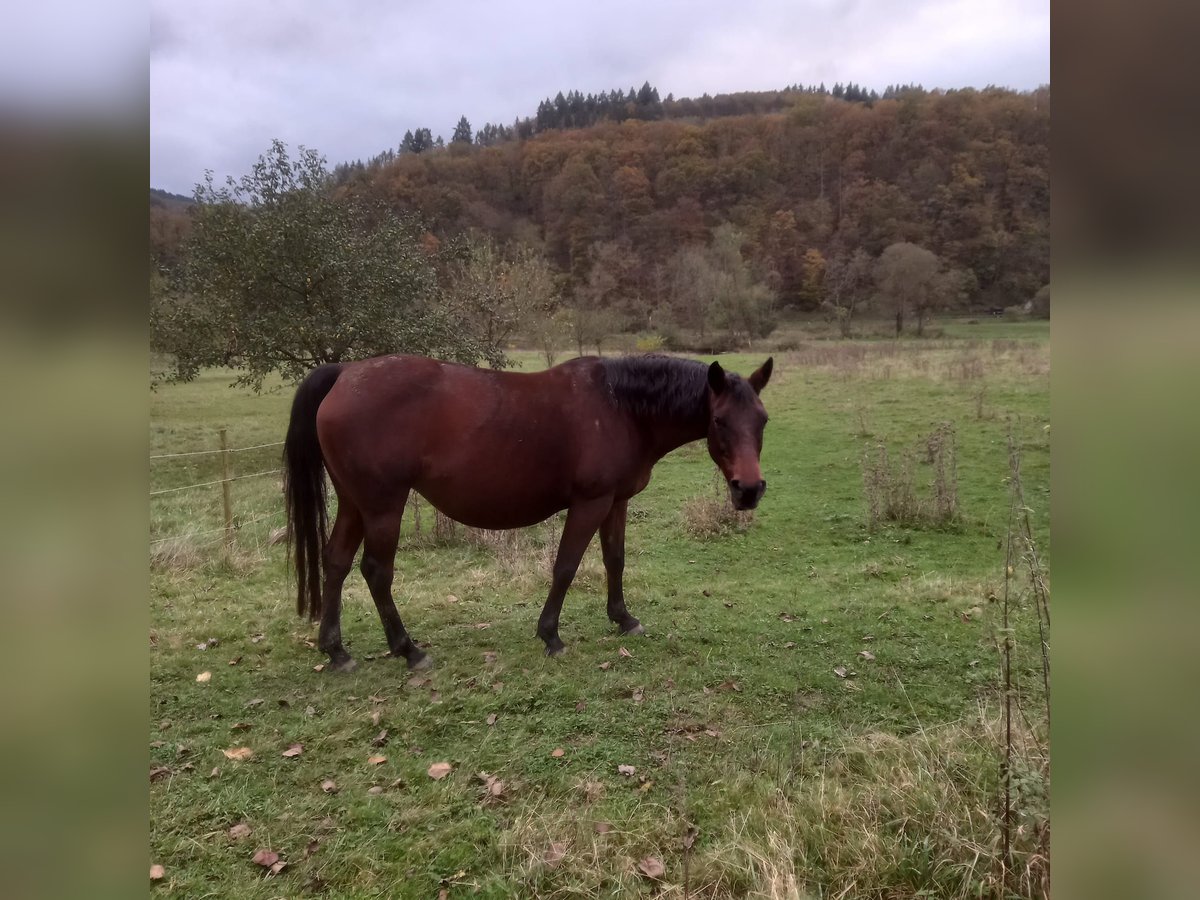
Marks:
<point>304,487</point>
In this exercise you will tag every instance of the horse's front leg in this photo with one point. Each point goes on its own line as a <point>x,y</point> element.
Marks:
<point>582,521</point>
<point>612,542</point>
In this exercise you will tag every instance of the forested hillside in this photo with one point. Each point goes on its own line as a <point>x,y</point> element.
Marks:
<point>964,174</point>
<point>784,200</point>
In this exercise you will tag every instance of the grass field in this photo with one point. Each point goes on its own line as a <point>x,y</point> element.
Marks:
<point>813,711</point>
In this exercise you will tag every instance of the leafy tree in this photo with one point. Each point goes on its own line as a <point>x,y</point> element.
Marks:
<point>847,288</point>
<point>714,288</point>
<point>909,280</point>
<point>281,276</point>
<point>462,132</point>
<point>496,296</point>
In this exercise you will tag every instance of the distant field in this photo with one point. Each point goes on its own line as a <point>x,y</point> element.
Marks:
<point>733,709</point>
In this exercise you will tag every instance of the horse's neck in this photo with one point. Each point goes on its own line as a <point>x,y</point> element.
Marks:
<point>665,435</point>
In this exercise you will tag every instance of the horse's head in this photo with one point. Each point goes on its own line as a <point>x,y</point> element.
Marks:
<point>736,419</point>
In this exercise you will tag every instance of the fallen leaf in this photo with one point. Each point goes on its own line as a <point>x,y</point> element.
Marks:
<point>625,653</point>
<point>491,719</point>
<point>239,831</point>
<point>840,671</point>
<point>690,837</point>
<point>450,598</point>
<point>554,854</point>
<point>204,677</point>
<point>240,726</point>
<point>293,751</point>
<point>498,686</point>
<point>256,638</point>
<point>627,770</point>
<point>238,753</point>
<point>159,772</point>
<point>789,645</point>
<point>729,685</point>
<point>278,867</point>
<point>645,786</point>
<point>482,625</point>
<point>712,732</point>
<point>257,701</point>
<point>329,786</point>
<point>157,873</point>
<point>380,739</point>
<point>866,654</point>
<point>638,696</point>
<point>605,665</point>
<point>310,711</point>
<point>374,699</point>
<point>319,667</point>
<point>557,752</point>
<point>602,827</point>
<point>214,773</point>
<point>729,606</point>
<point>438,771</point>
<point>265,858</point>
<point>235,660</point>
<point>376,716</point>
<point>652,867</point>
<point>580,706</point>
<point>375,790</point>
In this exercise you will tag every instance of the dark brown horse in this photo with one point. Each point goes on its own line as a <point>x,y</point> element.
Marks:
<point>497,450</point>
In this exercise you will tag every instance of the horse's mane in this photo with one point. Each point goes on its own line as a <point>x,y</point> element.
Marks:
<point>661,386</point>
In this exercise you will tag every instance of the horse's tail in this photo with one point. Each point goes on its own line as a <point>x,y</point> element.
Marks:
<point>304,487</point>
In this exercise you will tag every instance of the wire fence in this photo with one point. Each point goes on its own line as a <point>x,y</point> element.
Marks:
<point>231,523</point>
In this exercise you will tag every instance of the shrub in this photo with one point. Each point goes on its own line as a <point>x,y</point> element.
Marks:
<point>890,490</point>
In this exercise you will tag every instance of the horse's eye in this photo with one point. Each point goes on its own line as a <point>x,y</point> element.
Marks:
<point>718,421</point>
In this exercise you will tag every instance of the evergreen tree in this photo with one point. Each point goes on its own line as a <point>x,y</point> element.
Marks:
<point>462,132</point>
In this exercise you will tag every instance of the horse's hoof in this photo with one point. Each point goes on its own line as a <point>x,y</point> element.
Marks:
<point>636,629</point>
<point>345,666</point>
<point>420,663</point>
<point>556,649</point>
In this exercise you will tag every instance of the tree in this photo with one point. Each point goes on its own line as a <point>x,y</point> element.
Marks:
<point>713,287</point>
<point>462,132</point>
<point>745,304</point>
<point>281,276</point>
<point>1040,306</point>
<point>909,280</point>
<point>496,296</point>
<point>847,288</point>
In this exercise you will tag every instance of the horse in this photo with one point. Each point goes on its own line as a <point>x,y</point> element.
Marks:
<point>497,450</point>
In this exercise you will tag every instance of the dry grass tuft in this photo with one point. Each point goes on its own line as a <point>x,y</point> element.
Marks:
<point>711,514</point>
<point>890,488</point>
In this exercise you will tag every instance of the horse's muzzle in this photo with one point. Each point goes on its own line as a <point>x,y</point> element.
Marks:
<point>746,496</point>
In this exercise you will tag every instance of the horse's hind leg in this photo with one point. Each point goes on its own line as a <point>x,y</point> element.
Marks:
<point>382,535</point>
<point>343,543</point>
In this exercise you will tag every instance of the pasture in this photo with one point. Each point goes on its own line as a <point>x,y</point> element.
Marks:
<point>813,711</point>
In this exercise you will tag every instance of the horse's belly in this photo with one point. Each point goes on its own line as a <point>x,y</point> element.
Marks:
<point>497,493</point>
<point>494,513</point>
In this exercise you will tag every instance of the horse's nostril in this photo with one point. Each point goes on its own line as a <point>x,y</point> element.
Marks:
<point>735,484</point>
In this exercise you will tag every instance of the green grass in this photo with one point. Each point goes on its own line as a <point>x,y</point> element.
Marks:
<point>799,782</point>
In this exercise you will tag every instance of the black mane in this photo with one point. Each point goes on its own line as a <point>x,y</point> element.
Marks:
<point>662,386</point>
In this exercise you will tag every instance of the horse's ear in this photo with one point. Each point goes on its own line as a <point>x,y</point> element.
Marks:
<point>716,378</point>
<point>759,377</point>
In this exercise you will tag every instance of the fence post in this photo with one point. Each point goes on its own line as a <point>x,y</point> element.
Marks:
<point>225,492</point>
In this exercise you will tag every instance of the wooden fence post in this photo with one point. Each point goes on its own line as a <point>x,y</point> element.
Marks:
<point>225,492</point>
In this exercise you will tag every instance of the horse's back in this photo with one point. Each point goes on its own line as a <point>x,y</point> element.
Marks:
<point>489,448</point>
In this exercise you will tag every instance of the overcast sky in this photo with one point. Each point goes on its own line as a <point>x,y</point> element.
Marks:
<point>349,78</point>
